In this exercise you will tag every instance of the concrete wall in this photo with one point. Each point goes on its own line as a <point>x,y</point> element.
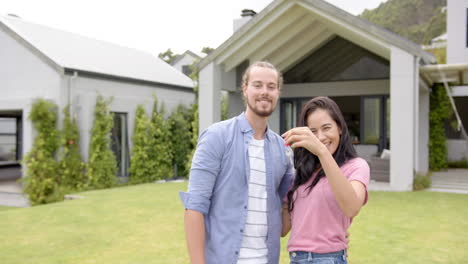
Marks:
<point>457,50</point>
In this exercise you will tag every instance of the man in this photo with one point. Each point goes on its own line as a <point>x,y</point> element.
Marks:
<point>239,176</point>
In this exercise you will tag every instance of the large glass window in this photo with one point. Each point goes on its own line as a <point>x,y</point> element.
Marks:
<point>10,139</point>
<point>119,143</point>
<point>375,121</point>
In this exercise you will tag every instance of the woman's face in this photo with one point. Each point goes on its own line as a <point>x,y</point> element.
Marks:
<point>325,129</point>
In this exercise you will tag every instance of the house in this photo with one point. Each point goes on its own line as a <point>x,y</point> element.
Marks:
<point>373,75</point>
<point>184,61</point>
<point>66,68</point>
<point>454,76</point>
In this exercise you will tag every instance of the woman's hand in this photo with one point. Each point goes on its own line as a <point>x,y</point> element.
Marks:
<point>303,137</point>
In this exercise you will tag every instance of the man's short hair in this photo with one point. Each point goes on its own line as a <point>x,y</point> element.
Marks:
<point>263,64</point>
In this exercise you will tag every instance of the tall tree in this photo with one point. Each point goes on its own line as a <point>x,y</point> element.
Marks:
<point>102,166</point>
<point>41,181</point>
<point>71,163</point>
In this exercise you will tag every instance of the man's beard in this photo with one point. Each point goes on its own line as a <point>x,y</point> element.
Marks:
<point>261,113</point>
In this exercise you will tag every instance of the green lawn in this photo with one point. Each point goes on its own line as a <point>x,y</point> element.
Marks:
<point>144,224</point>
<point>6,208</point>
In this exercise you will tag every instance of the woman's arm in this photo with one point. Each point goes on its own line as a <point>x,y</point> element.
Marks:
<point>349,195</point>
<point>286,221</point>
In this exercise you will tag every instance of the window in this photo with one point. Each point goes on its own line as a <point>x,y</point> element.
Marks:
<point>10,139</point>
<point>375,121</point>
<point>467,27</point>
<point>119,143</point>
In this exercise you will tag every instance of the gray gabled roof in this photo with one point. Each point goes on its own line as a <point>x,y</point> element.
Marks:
<point>72,52</point>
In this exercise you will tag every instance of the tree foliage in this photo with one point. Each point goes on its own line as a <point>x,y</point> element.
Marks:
<point>160,152</point>
<point>417,20</point>
<point>168,56</point>
<point>71,164</point>
<point>180,126</point>
<point>141,165</point>
<point>41,181</point>
<point>102,166</point>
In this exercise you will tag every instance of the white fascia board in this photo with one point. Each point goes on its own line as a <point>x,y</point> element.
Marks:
<point>352,33</point>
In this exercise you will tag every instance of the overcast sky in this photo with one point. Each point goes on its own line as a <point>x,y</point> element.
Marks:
<point>150,25</point>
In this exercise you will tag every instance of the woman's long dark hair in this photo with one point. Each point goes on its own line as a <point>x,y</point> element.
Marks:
<point>304,161</point>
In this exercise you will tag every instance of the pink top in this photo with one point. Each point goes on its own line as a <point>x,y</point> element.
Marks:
<point>318,224</point>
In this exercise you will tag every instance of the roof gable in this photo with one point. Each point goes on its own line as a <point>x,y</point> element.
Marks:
<point>286,31</point>
<point>78,53</point>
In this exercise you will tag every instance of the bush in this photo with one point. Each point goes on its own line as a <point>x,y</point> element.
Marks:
<point>422,182</point>
<point>459,164</point>
<point>71,165</point>
<point>194,139</point>
<point>41,181</point>
<point>140,166</point>
<point>160,151</point>
<point>179,125</point>
<point>102,166</point>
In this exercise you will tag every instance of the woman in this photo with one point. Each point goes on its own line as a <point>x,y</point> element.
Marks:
<point>330,185</point>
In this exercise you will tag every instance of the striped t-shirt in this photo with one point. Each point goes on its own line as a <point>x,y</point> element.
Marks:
<point>254,249</point>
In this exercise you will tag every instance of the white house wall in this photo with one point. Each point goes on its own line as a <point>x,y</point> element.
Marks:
<point>402,119</point>
<point>422,157</point>
<point>457,50</point>
<point>23,73</point>
<point>24,77</point>
<point>126,97</point>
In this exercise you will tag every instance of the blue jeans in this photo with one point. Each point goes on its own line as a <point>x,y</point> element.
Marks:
<point>301,257</point>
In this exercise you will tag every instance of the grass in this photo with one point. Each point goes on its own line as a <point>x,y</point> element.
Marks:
<point>144,224</point>
<point>2,208</point>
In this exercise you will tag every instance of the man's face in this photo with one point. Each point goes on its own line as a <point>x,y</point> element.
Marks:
<point>261,92</point>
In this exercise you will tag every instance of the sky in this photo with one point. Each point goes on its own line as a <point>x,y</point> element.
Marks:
<point>150,25</point>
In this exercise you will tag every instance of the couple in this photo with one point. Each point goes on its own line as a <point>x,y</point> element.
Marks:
<point>244,194</point>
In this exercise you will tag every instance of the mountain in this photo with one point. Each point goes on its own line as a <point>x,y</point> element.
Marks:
<point>417,20</point>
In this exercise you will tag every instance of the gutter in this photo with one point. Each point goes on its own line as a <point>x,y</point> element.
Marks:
<point>445,67</point>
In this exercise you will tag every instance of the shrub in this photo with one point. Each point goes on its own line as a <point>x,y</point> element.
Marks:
<point>160,151</point>
<point>71,165</point>
<point>194,139</point>
<point>422,182</point>
<point>140,166</point>
<point>102,166</point>
<point>41,167</point>
<point>179,125</point>
<point>440,111</point>
<point>459,164</point>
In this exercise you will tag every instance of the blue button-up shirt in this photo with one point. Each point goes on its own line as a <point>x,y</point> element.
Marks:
<point>218,187</point>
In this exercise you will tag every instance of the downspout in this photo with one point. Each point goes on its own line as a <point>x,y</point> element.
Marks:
<point>70,84</point>
<point>416,116</point>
